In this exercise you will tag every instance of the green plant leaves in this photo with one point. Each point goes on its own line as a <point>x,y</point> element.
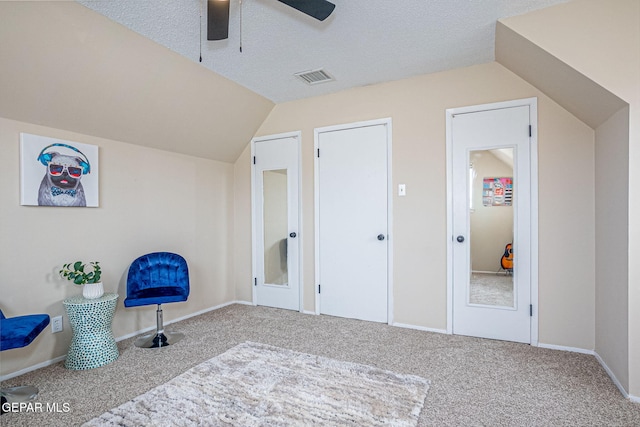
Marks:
<point>76,274</point>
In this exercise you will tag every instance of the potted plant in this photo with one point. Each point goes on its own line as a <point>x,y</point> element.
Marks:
<point>86,275</point>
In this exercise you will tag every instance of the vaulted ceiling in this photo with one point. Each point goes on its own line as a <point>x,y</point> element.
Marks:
<point>129,70</point>
<point>362,42</point>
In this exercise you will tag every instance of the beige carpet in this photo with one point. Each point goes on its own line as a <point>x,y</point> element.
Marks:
<point>474,382</point>
<point>491,289</point>
<point>261,385</point>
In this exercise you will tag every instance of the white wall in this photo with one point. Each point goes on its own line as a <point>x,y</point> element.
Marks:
<point>150,200</point>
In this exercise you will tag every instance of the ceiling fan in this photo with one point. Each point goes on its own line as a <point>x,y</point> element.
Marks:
<point>218,14</point>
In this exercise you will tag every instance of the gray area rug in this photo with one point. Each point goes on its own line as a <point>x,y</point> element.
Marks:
<point>261,385</point>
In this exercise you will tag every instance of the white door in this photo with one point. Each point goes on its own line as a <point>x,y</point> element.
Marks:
<point>352,220</point>
<point>276,221</point>
<point>491,222</point>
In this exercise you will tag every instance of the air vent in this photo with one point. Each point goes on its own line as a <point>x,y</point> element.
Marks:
<point>314,77</point>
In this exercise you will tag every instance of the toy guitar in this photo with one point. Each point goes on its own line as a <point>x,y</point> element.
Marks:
<point>507,258</point>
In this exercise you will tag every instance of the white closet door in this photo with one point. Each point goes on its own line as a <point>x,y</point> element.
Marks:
<point>276,221</point>
<point>352,225</point>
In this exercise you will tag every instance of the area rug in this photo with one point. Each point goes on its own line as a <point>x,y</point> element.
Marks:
<point>260,385</point>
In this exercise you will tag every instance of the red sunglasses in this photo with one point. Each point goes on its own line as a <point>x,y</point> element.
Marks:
<point>57,170</point>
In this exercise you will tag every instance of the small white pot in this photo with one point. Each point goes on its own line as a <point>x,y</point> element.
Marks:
<point>92,290</point>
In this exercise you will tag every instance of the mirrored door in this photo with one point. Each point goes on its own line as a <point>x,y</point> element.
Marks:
<point>491,206</point>
<point>491,223</point>
<point>276,222</point>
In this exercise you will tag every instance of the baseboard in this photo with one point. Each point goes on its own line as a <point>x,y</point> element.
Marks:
<point>399,325</point>
<point>419,328</point>
<point>241,302</point>
<point>120,338</point>
<point>614,379</point>
<point>32,368</point>
<point>609,372</point>
<point>487,272</point>
<point>565,348</point>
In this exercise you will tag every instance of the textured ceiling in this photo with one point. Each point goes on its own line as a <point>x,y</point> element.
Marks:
<point>363,42</point>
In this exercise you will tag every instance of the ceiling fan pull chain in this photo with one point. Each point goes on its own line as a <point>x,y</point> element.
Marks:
<point>240,3</point>
<point>200,34</point>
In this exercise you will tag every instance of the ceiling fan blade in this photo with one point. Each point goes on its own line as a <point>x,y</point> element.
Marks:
<point>217,19</point>
<point>319,9</point>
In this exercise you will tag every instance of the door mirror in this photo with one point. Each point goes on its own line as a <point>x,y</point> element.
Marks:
<point>491,224</point>
<point>275,226</point>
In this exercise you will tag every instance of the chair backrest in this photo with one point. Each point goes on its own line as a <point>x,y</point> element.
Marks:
<point>158,270</point>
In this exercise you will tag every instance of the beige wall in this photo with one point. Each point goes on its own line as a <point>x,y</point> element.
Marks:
<point>102,79</point>
<point>150,200</point>
<point>598,40</point>
<point>566,231</point>
<point>417,107</point>
<point>612,257</point>
<point>66,66</point>
<point>242,240</point>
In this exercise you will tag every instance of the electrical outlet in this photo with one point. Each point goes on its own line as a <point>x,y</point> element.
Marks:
<point>56,324</point>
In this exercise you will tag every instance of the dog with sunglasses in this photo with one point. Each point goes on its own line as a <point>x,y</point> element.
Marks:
<point>61,184</point>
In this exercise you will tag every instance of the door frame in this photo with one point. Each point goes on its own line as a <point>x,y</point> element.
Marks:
<point>532,103</point>
<point>297,135</point>
<point>316,180</point>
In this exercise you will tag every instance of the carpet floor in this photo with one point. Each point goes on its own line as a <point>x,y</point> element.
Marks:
<point>491,289</point>
<point>474,382</point>
<point>254,385</point>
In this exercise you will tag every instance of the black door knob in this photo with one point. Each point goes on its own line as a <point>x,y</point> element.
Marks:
<point>380,236</point>
<point>460,239</point>
<point>293,235</point>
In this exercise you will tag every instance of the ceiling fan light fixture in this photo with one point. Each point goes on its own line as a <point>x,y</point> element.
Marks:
<point>217,19</point>
<point>314,77</point>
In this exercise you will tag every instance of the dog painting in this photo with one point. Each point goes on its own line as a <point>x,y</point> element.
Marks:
<point>66,171</point>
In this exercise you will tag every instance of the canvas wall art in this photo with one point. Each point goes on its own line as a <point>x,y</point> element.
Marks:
<point>497,191</point>
<point>57,172</point>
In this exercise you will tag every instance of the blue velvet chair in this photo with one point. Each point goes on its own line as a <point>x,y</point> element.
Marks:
<point>157,278</point>
<point>17,332</point>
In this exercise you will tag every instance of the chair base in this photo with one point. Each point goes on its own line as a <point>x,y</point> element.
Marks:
<point>23,393</point>
<point>158,339</point>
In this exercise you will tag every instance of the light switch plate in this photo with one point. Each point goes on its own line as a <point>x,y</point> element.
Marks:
<point>402,190</point>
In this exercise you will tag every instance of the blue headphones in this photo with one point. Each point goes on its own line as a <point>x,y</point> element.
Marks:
<point>45,158</point>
